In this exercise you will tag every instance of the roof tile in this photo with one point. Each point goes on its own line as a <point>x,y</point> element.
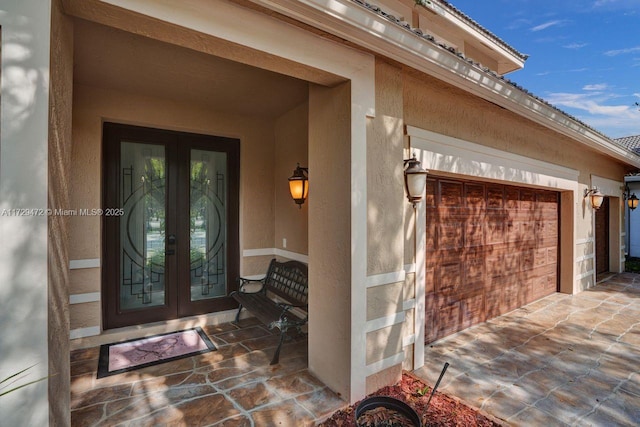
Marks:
<point>630,142</point>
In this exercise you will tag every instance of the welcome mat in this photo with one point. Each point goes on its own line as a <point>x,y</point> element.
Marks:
<point>140,353</point>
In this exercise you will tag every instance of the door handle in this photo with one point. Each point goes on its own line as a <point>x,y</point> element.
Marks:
<point>172,239</point>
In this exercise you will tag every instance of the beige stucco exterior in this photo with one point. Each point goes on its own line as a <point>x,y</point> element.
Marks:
<point>350,108</point>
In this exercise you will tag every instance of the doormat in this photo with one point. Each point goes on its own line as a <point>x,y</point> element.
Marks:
<point>139,353</point>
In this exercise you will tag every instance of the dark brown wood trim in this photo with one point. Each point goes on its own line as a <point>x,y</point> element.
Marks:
<point>177,146</point>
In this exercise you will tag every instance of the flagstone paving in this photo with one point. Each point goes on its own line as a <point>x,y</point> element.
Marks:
<point>232,386</point>
<point>560,361</point>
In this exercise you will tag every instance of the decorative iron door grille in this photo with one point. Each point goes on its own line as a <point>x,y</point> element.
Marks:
<point>172,249</point>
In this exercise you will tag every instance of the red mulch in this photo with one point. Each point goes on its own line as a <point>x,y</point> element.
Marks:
<point>443,410</point>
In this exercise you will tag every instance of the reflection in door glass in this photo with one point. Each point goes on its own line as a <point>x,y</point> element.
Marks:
<point>142,226</point>
<point>207,224</point>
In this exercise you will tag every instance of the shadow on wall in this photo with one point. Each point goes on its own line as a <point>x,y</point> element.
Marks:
<point>23,216</point>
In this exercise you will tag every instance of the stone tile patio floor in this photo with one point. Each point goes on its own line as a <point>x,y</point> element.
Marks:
<point>560,361</point>
<point>232,386</point>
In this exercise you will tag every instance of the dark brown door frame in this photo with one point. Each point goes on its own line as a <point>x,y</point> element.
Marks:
<point>177,268</point>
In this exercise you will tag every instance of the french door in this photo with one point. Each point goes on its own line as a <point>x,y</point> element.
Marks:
<point>170,224</point>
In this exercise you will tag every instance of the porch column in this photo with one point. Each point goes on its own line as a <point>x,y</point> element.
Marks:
<point>329,201</point>
<point>25,27</point>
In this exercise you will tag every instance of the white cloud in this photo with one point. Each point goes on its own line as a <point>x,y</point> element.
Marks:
<point>592,103</point>
<point>591,108</point>
<point>547,25</point>
<point>518,23</point>
<point>599,86</point>
<point>575,45</point>
<point>622,51</point>
<point>630,5</point>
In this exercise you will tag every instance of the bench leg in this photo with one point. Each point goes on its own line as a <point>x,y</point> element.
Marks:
<point>238,314</point>
<point>276,355</point>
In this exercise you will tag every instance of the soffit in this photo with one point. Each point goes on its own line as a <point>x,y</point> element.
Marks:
<point>111,58</point>
<point>461,26</point>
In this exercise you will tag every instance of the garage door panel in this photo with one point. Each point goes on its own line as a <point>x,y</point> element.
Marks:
<point>495,265</point>
<point>495,232</point>
<point>527,200</point>
<point>451,194</point>
<point>552,284</point>
<point>474,195</point>
<point>450,235</point>
<point>475,269</point>
<point>472,310</point>
<point>510,296</point>
<point>474,233</point>
<point>539,288</point>
<point>449,278</point>
<point>511,261</point>
<point>547,201</point>
<point>512,231</point>
<point>495,197</point>
<point>525,293</point>
<point>495,249</point>
<point>448,319</point>
<point>430,193</point>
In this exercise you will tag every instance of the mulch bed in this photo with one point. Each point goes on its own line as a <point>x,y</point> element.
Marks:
<point>442,411</point>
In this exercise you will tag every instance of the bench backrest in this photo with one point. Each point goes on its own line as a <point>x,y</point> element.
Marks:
<point>288,280</point>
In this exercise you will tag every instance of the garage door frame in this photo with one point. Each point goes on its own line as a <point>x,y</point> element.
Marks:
<point>461,159</point>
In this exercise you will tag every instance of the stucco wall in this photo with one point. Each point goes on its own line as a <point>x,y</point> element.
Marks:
<point>291,135</point>
<point>59,177</point>
<point>385,229</point>
<point>330,335</point>
<point>385,204</point>
<point>24,71</point>
<point>436,106</point>
<point>441,108</point>
<point>94,105</point>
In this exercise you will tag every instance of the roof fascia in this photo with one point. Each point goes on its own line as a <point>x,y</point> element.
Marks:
<point>477,35</point>
<point>356,24</point>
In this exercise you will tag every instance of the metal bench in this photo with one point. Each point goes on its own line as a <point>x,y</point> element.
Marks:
<point>281,301</point>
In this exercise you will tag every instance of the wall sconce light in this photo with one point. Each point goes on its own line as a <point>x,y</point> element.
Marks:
<point>415,180</point>
<point>299,185</point>
<point>632,200</point>
<point>596,197</point>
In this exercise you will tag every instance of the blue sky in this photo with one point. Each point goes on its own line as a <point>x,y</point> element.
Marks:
<point>584,55</point>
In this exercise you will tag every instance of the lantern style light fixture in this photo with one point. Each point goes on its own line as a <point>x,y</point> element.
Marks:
<point>632,200</point>
<point>415,180</point>
<point>299,185</point>
<point>596,197</point>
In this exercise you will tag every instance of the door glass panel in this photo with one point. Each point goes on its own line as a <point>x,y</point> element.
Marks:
<point>142,225</point>
<point>208,240</point>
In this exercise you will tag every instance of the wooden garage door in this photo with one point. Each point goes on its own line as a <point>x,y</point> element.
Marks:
<point>491,248</point>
